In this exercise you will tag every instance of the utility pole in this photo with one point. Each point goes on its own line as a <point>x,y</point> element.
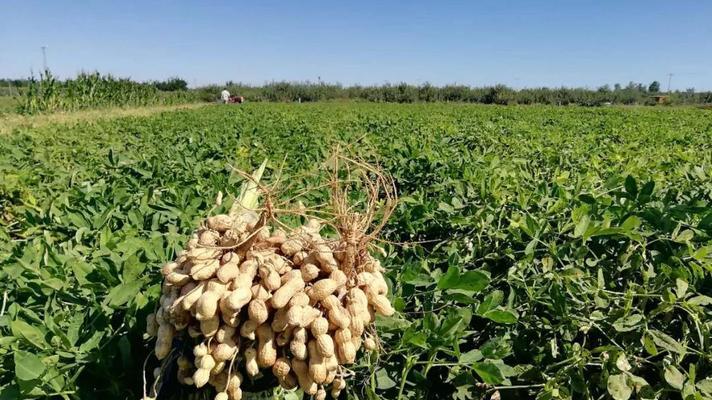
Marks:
<point>44,57</point>
<point>669,79</point>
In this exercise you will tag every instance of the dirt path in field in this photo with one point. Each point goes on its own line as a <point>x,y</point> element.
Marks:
<point>10,122</point>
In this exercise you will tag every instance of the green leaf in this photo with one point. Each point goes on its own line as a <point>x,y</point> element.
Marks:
<point>449,278</point>
<point>383,381</point>
<point>28,366</point>
<point>53,283</point>
<point>680,288</point>
<point>291,396</point>
<point>700,300</point>
<point>702,253</point>
<point>705,386</point>
<point>666,342</point>
<point>647,189</point>
<point>446,208</point>
<point>631,186</point>
<point>579,212</point>
<point>473,281</point>
<point>530,227</point>
<point>692,373</point>
<point>649,344</point>
<point>393,323</point>
<point>674,377</point>
<point>91,343</point>
<point>121,294</point>
<point>455,320</point>
<point>471,356</point>
<point>74,327</point>
<point>81,269</point>
<point>618,387</point>
<point>459,296</point>
<point>627,324</point>
<point>470,280</point>
<point>6,341</point>
<point>23,330</point>
<point>638,382</point>
<point>419,339</point>
<point>706,222</point>
<point>582,226</point>
<point>490,302</point>
<point>10,392</point>
<point>600,279</point>
<point>489,372</point>
<point>688,391</point>
<point>531,246</point>
<point>631,223</point>
<point>502,316</point>
<point>685,236</point>
<point>587,198</point>
<point>132,268</point>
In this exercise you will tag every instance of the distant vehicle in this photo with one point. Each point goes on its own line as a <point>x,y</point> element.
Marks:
<point>236,99</point>
<point>661,99</point>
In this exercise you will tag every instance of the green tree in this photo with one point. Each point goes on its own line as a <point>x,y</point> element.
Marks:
<point>654,87</point>
<point>172,84</point>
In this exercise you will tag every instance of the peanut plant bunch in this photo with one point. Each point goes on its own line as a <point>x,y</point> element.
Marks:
<point>262,300</point>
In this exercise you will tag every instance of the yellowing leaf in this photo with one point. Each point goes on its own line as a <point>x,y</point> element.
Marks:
<point>674,377</point>
<point>622,363</point>
<point>685,236</point>
<point>618,387</point>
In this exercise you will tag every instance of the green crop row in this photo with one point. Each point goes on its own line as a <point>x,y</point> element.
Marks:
<point>92,90</point>
<point>536,252</point>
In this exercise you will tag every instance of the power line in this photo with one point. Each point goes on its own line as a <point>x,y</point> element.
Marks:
<point>669,79</point>
<point>44,57</point>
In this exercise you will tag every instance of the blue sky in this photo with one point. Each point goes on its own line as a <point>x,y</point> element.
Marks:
<point>519,43</point>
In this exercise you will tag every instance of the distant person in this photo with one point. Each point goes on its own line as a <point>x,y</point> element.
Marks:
<point>225,96</point>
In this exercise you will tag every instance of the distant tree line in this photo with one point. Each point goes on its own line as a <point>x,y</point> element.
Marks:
<point>12,87</point>
<point>633,93</point>
<point>171,85</point>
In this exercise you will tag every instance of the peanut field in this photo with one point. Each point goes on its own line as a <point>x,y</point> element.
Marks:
<point>535,251</point>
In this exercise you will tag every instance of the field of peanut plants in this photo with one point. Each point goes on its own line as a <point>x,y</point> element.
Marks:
<point>535,252</point>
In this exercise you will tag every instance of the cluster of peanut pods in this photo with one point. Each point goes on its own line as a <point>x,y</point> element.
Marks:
<point>263,301</point>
